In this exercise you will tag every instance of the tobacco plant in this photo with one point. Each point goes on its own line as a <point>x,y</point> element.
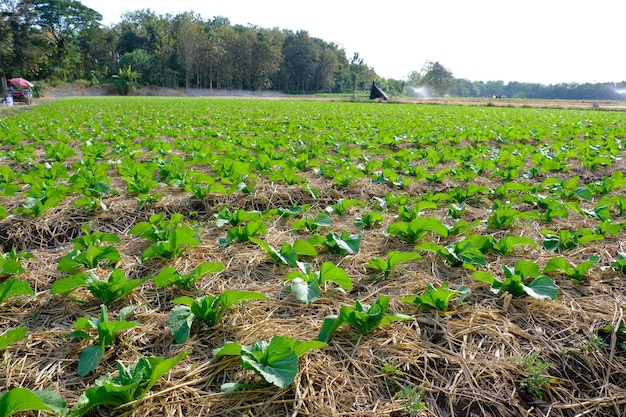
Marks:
<point>515,281</point>
<point>417,228</point>
<point>306,284</point>
<point>438,298</point>
<point>169,237</point>
<point>116,287</point>
<point>560,264</point>
<point>363,317</point>
<point>209,308</point>
<point>276,360</point>
<point>10,262</point>
<point>107,330</point>
<point>132,383</point>
<point>89,252</point>
<point>393,258</point>
<point>170,276</point>
<point>288,254</point>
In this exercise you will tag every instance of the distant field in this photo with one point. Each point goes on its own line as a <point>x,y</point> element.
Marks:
<point>488,240</point>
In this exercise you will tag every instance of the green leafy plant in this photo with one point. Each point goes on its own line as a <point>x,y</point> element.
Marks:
<point>12,336</point>
<point>43,195</point>
<point>132,383</point>
<point>438,298</point>
<point>92,182</point>
<point>536,381</point>
<point>171,276</point>
<point>243,232</point>
<point>312,225</point>
<point>306,284</point>
<point>287,254</point>
<point>22,399</point>
<point>541,286</point>
<point>276,360</point>
<point>169,237</point>
<point>560,264</point>
<point>225,217</point>
<point>462,253</point>
<point>566,239</point>
<point>343,204</point>
<point>368,220</point>
<point>209,308</point>
<point>393,258</point>
<point>114,289</point>
<point>91,356</point>
<point>89,252</point>
<point>620,262</point>
<point>416,229</point>
<point>502,216</point>
<point>363,317</point>
<point>14,288</point>
<point>9,262</point>
<point>343,243</point>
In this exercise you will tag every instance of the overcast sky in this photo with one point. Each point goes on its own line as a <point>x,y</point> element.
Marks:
<point>544,41</point>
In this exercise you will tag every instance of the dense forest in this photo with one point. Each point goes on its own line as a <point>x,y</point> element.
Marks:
<point>64,41</point>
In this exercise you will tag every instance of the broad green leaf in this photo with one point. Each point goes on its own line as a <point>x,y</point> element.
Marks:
<point>12,336</point>
<point>559,264</point>
<point>542,288</point>
<point>180,321</point>
<point>14,288</point>
<point>304,291</point>
<point>160,367</point>
<point>21,399</point>
<point>89,359</point>
<point>65,286</point>
<point>330,272</point>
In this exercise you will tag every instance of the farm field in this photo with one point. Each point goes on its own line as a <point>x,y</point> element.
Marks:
<point>227,257</point>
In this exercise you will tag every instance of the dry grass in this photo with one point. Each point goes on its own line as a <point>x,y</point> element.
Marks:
<point>465,363</point>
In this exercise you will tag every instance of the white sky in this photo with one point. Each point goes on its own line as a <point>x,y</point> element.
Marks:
<point>544,41</point>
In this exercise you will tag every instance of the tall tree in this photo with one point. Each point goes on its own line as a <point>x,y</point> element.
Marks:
<point>437,77</point>
<point>61,21</point>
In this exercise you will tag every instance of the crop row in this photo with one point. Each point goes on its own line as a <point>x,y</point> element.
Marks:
<point>474,189</point>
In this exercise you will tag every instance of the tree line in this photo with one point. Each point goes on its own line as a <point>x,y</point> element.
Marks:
<point>63,40</point>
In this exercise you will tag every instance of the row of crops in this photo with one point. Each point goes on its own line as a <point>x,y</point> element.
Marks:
<point>327,227</point>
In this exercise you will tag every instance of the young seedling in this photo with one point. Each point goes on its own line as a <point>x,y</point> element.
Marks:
<point>393,258</point>
<point>169,237</point>
<point>566,239</point>
<point>243,232</point>
<point>107,330</point>
<point>560,264</point>
<point>306,284</point>
<point>363,317</point>
<point>541,287</point>
<point>368,220</point>
<point>209,308</point>
<point>288,254</point>
<point>312,225</point>
<point>416,229</point>
<point>170,276</point>
<point>89,252</point>
<point>620,262</point>
<point>462,253</point>
<point>276,360</point>
<point>438,298</point>
<point>132,383</point>
<point>343,243</point>
<point>108,292</point>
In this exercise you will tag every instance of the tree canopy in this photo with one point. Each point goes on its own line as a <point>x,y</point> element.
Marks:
<point>64,40</point>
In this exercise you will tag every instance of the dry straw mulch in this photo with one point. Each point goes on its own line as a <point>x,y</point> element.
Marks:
<point>463,363</point>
